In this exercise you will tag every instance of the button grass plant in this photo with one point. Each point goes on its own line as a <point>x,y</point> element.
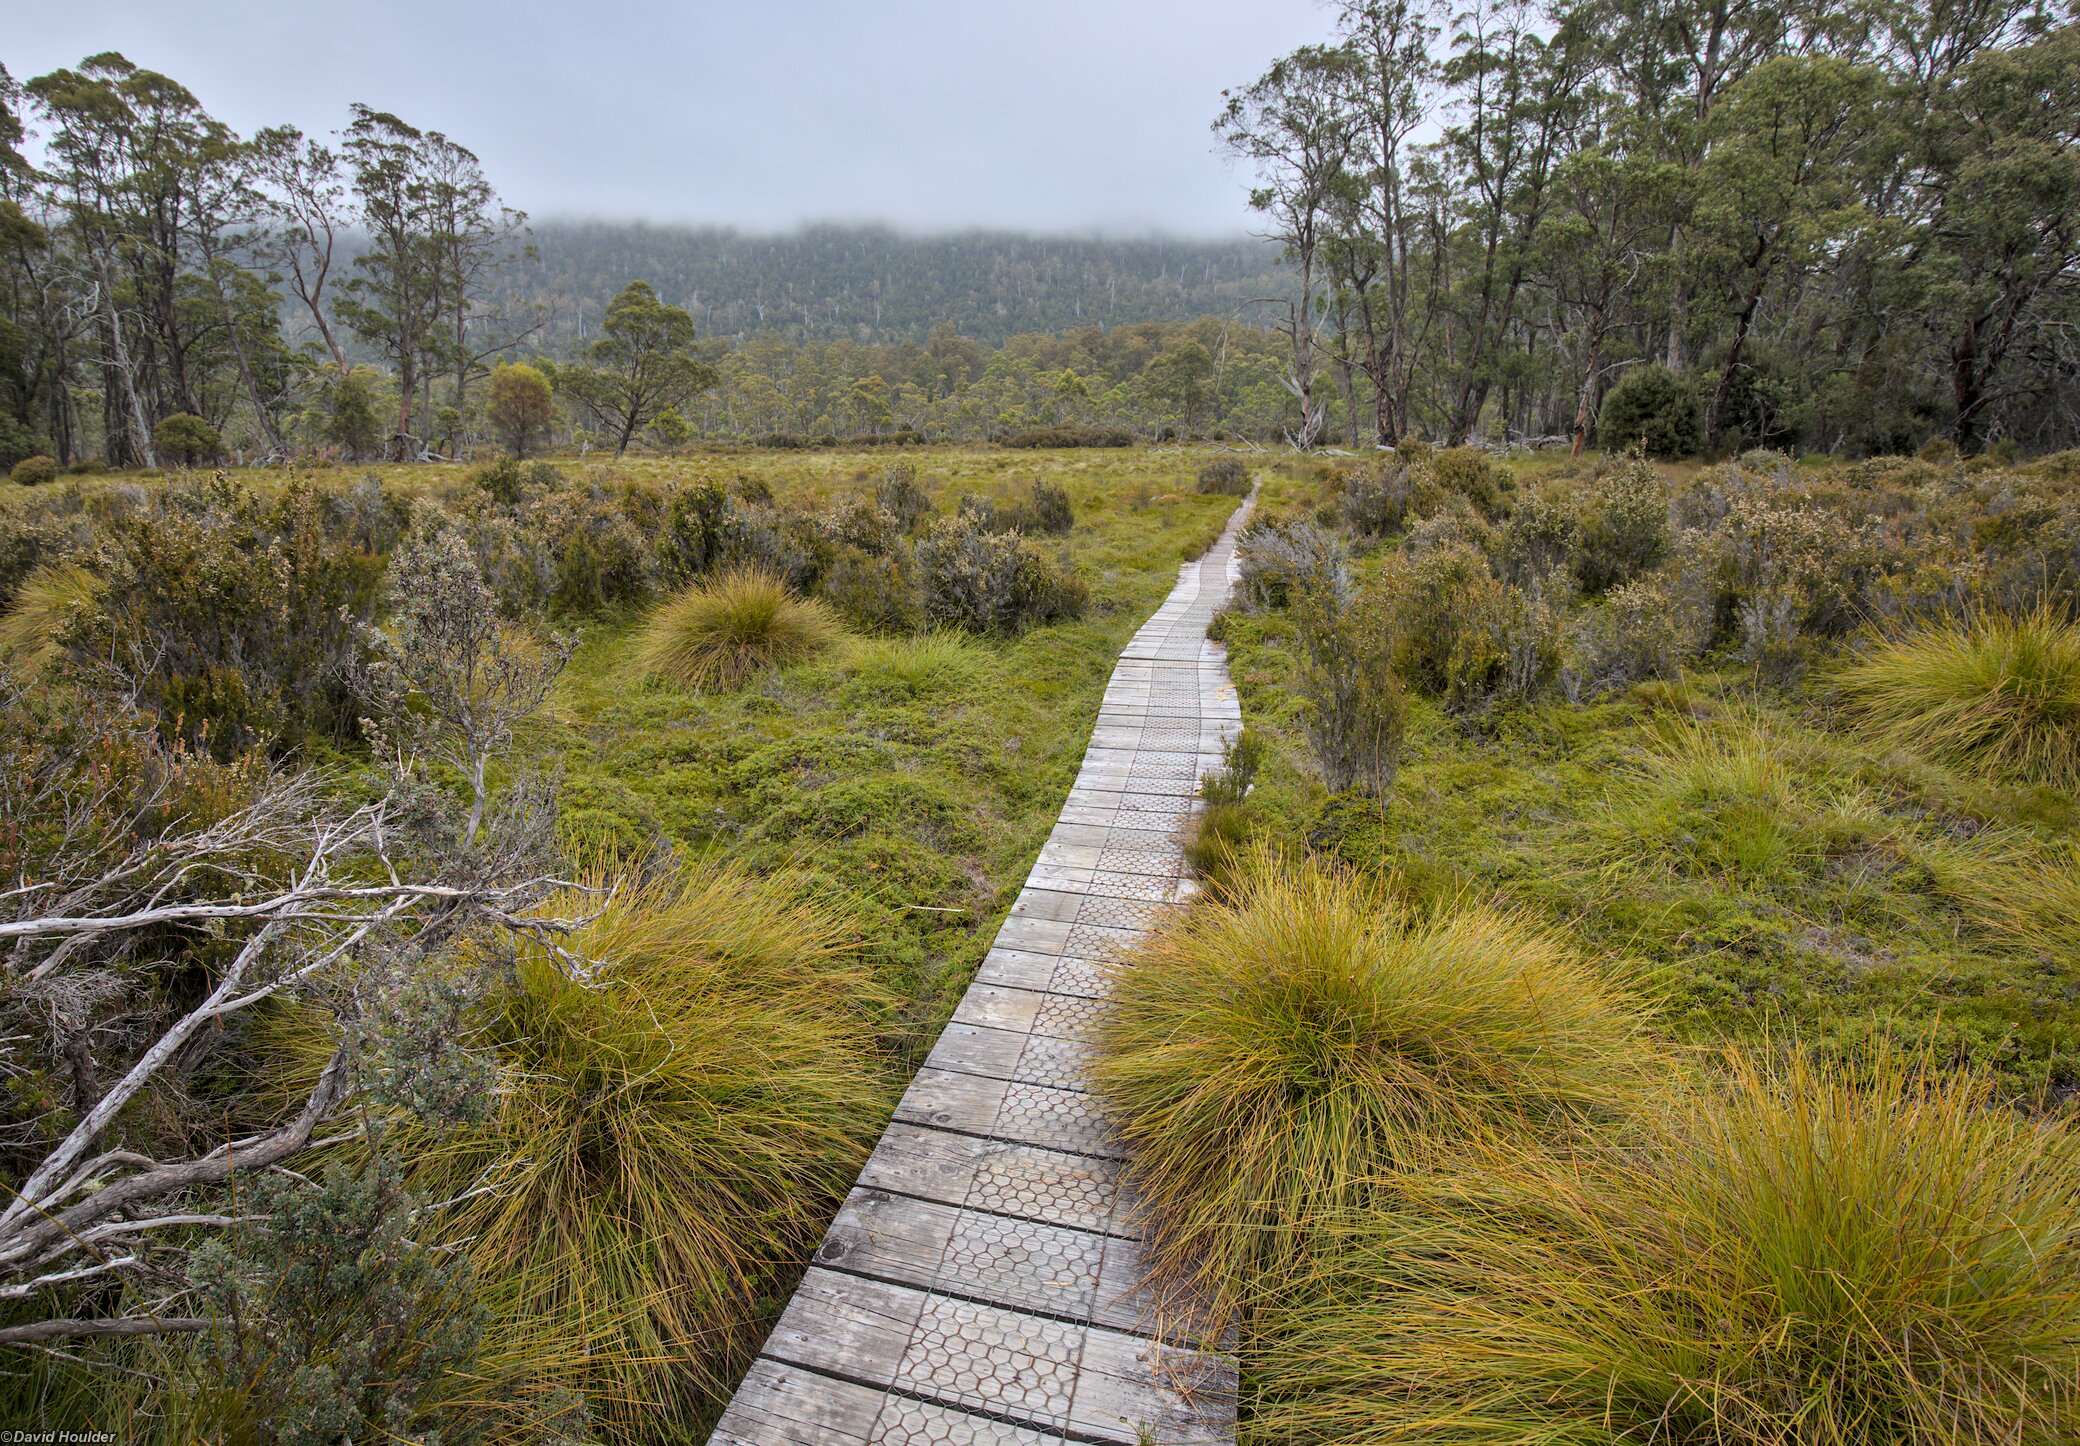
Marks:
<point>1786,1252</point>
<point>1998,692</point>
<point>1273,1057</point>
<point>718,634</point>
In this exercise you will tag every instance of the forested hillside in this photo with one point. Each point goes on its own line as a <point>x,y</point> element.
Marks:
<point>871,284</point>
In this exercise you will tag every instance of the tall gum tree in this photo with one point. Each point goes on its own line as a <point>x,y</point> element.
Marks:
<point>1293,126</point>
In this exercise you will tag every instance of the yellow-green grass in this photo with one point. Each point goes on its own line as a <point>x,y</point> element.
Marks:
<point>1817,881</point>
<point>721,632</point>
<point>1804,1254</point>
<point>936,664</point>
<point>1997,692</point>
<point>1729,796</point>
<point>49,601</point>
<point>915,778</point>
<point>668,1141</point>
<point>1271,1057</point>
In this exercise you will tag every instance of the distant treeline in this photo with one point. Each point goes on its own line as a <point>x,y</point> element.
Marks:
<point>871,284</point>
<point>1694,223</point>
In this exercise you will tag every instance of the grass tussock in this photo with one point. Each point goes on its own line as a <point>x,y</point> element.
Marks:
<point>927,665</point>
<point>1272,1055</point>
<point>1812,1254</point>
<point>1734,798</point>
<point>1999,693</point>
<point>718,634</point>
<point>667,1139</point>
<point>47,603</point>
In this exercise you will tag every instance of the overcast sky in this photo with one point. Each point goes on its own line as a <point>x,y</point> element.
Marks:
<point>1062,115</point>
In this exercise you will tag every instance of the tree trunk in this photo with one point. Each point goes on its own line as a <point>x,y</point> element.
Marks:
<point>121,355</point>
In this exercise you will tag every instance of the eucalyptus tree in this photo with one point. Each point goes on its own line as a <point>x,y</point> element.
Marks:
<point>393,299</point>
<point>473,236</point>
<point>1295,128</point>
<point>1521,100</point>
<point>1394,80</point>
<point>643,363</point>
<point>1598,257</point>
<point>1780,189</point>
<point>2000,263</point>
<point>307,216</point>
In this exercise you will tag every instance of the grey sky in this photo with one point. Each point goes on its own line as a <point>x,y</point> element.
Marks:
<point>1065,115</point>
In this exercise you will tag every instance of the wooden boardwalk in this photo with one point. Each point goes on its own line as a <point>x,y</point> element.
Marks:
<point>982,1281</point>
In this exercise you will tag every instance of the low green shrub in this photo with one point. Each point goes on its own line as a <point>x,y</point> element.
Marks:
<point>1623,526</point>
<point>34,471</point>
<point>1382,496</point>
<point>186,440</point>
<point>1356,714</point>
<point>1241,757</point>
<point>718,634</point>
<point>1539,541</point>
<point>898,495</point>
<point>1046,510</point>
<point>1649,628</point>
<point>1652,408</point>
<point>1999,693</point>
<point>1474,475</point>
<point>1224,476</point>
<point>1280,561</point>
<point>878,593</point>
<point>986,581</point>
<point>245,623</point>
<point>1070,437</point>
<point>1448,611</point>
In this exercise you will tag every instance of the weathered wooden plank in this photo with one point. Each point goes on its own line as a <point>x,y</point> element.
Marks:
<point>1130,1388</point>
<point>1053,1186</point>
<point>1017,968</point>
<point>782,1405</point>
<point>1022,1265</point>
<point>966,1049</point>
<point>1037,936</point>
<point>843,1325</point>
<point>1049,904</point>
<point>1047,1373</point>
<point>990,1006</point>
<point>1026,1114</point>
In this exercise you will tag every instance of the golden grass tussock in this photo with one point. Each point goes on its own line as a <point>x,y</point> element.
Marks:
<point>1998,693</point>
<point>669,1138</point>
<point>48,602</point>
<point>1272,1055</point>
<point>721,632</point>
<point>1805,1253</point>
